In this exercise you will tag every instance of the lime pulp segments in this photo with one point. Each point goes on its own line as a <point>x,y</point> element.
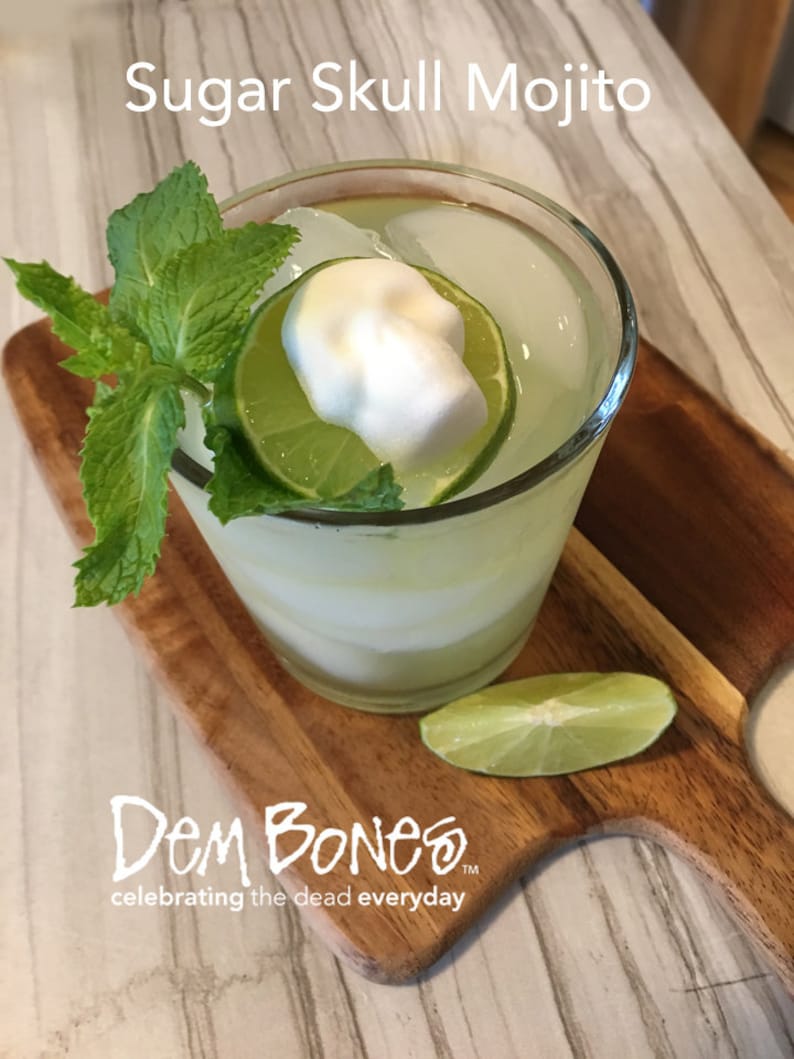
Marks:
<point>260,396</point>
<point>551,725</point>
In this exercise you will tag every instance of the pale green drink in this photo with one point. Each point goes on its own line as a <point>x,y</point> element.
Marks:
<point>406,610</point>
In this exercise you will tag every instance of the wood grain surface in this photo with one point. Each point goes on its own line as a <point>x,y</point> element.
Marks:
<point>610,945</point>
<point>276,741</point>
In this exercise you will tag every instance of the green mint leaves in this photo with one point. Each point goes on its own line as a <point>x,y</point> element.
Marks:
<point>126,457</point>
<point>178,309</point>
<point>102,345</point>
<point>195,314</point>
<point>142,235</point>
<point>238,487</point>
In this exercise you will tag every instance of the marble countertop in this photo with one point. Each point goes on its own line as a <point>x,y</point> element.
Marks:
<point>612,944</point>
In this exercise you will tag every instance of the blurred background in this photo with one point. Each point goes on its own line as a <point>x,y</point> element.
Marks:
<point>741,54</point>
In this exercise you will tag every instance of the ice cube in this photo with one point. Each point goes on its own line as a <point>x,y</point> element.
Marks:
<point>324,236</point>
<point>525,289</point>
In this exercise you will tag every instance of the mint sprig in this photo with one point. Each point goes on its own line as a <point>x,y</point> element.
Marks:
<point>177,311</point>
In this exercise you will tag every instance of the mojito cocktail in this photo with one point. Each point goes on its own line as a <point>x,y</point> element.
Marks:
<point>403,610</point>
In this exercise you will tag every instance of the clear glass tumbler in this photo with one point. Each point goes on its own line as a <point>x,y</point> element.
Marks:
<point>403,611</point>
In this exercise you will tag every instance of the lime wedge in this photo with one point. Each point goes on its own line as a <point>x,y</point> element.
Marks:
<point>259,395</point>
<point>551,725</point>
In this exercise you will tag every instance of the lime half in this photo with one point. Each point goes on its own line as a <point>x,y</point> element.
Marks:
<point>551,725</point>
<point>259,395</point>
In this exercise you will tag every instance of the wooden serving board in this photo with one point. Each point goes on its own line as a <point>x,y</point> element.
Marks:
<point>696,510</point>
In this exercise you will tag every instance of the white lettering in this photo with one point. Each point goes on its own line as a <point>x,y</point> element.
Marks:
<point>358,92</point>
<point>326,86</point>
<point>446,848</point>
<point>532,103</point>
<point>358,835</point>
<point>184,830</point>
<point>141,86</point>
<point>644,88</point>
<point>224,108</point>
<point>275,829</point>
<point>405,830</point>
<point>257,94</point>
<point>330,833</point>
<point>222,845</point>
<point>288,839</point>
<point>171,104</point>
<point>492,100</point>
<point>601,82</point>
<point>117,803</point>
<point>404,103</point>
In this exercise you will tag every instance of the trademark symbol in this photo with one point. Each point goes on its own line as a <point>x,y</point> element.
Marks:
<point>471,869</point>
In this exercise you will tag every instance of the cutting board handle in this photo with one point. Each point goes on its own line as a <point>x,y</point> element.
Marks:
<point>730,829</point>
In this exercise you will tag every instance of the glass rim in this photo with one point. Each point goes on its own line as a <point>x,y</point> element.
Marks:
<point>564,454</point>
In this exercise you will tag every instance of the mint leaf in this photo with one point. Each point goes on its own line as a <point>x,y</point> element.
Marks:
<point>195,315</point>
<point>156,225</point>
<point>377,491</point>
<point>127,454</point>
<point>78,319</point>
<point>240,486</point>
<point>101,393</point>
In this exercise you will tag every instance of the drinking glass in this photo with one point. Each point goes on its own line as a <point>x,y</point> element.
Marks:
<point>402,611</point>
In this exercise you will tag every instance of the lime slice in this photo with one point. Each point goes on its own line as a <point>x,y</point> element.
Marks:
<point>551,725</point>
<point>259,394</point>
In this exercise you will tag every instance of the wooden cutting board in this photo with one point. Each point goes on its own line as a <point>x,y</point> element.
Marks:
<point>693,507</point>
